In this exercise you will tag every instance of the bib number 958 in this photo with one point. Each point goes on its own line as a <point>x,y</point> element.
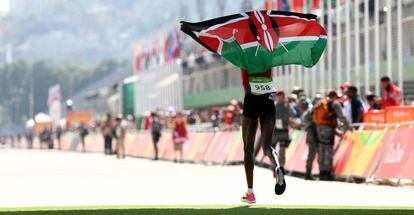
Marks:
<point>260,86</point>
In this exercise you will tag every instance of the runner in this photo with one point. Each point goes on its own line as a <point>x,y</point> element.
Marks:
<point>258,107</point>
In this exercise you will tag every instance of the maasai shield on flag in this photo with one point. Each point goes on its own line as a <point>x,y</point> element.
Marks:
<point>259,40</point>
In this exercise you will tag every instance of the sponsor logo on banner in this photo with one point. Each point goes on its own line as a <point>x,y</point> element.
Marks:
<point>396,153</point>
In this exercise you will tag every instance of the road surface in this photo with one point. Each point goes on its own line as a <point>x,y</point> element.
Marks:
<point>53,178</point>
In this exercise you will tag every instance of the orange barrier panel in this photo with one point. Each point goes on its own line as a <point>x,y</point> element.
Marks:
<point>219,147</point>
<point>357,143</point>
<point>143,144</point>
<point>198,146</point>
<point>236,152</point>
<point>76,117</point>
<point>378,154</point>
<point>397,153</point>
<point>399,114</point>
<point>377,117</point>
<point>342,154</point>
<point>297,152</point>
<point>166,147</point>
<point>407,171</point>
<point>94,143</point>
<point>370,141</point>
<point>132,140</point>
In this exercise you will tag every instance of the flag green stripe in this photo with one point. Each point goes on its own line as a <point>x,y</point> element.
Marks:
<point>258,59</point>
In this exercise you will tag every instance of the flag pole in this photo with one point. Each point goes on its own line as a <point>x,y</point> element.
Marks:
<point>285,82</point>
<point>277,77</point>
<point>338,43</point>
<point>300,82</point>
<point>322,79</point>
<point>292,73</point>
<point>288,77</point>
<point>377,48</point>
<point>330,45</point>
<point>389,42</point>
<point>366,44</point>
<point>348,40</point>
<point>399,42</point>
<point>306,76</point>
<point>357,45</point>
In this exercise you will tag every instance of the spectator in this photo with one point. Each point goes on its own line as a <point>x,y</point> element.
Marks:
<point>373,102</point>
<point>192,118</point>
<point>29,138</point>
<point>317,99</point>
<point>119,133</point>
<point>179,135</point>
<point>293,99</point>
<point>344,87</point>
<point>131,122</point>
<point>107,132</point>
<point>83,132</point>
<point>311,138</point>
<point>19,137</point>
<point>355,110</point>
<point>236,113</point>
<point>325,116</point>
<point>392,95</point>
<point>228,118</point>
<point>146,120</point>
<point>343,97</point>
<point>215,119</point>
<point>58,136</point>
<point>46,138</point>
<point>155,132</point>
<point>284,115</point>
<point>298,91</point>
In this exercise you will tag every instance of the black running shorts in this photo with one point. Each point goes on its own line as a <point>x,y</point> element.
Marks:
<point>255,107</point>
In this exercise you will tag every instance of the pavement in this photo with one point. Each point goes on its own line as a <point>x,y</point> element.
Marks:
<point>53,178</point>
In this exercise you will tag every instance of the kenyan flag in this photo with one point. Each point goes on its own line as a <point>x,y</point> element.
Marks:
<point>259,40</point>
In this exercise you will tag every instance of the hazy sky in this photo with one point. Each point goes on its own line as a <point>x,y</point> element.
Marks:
<point>4,6</point>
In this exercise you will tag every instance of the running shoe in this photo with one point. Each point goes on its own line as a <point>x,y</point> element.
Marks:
<point>249,198</point>
<point>280,186</point>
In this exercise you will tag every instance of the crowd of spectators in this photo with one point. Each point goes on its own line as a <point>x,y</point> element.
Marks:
<point>228,117</point>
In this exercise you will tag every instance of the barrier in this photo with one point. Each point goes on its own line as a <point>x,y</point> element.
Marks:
<point>297,153</point>
<point>395,115</point>
<point>391,115</point>
<point>199,145</point>
<point>377,117</point>
<point>396,154</point>
<point>374,117</point>
<point>355,153</point>
<point>373,153</point>
<point>220,146</point>
<point>407,171</point>
<point>372,142</point>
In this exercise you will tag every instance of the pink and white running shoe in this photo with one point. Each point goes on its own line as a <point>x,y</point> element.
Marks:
<point>249,198</point>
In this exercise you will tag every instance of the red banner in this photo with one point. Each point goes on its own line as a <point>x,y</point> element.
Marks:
<point>397,153</point>
<point>377,117</point>
<point>399,114</point>
<point>407,171</point>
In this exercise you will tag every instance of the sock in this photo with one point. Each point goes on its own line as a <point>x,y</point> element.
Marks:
<point>249,191</point>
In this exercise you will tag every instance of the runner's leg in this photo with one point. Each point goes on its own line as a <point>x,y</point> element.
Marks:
<point>249,127</point>
<point>267,125</point>
<point>282,154</point>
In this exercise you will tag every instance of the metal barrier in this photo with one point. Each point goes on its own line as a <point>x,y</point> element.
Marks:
<point>384,151</point>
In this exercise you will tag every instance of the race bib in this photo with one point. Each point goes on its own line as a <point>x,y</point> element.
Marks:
<point>279,124</point>
<point>261,85</point>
